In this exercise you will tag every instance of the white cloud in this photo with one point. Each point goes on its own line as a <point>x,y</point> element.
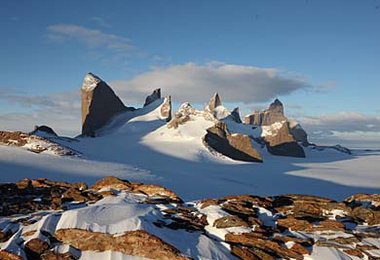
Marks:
<point>349,128</point>
<point>60,111</point>
<point>196,83</point>
<point>90,37</point>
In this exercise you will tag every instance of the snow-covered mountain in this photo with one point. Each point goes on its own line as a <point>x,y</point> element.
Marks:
<point>198,154</point>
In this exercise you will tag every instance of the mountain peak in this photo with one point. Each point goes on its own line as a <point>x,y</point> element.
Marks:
<point>276,106</point>
<point>90,81</point>
<point>214,102</point>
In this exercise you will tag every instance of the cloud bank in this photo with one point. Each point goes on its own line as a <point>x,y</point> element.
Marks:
<point>347,127</point>
<point>90,37</point>
<point>196,83</point>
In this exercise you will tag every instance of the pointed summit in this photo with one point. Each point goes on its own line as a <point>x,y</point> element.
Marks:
<point>214,102</point>
<point>99,104</point>
<point>276,107</point>
<point>153,97</point>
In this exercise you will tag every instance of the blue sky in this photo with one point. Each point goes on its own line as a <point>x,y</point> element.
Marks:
<point>321,58</point>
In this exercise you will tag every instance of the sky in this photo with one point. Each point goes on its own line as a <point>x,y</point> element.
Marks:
<point>320,58</point>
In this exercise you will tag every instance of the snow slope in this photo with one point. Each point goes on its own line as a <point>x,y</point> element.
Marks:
<point>138,146</point>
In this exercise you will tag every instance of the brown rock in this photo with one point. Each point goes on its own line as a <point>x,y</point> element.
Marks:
<point>294,224</point>
<point>135,243</point>
<point>230,221</point>
<point>246,253</point>
<point>283,143</point>
<point>329,224</point>
<point>112,182</point>
<point>156,191</point>
<point>13,138</point>
<point>99,104</point>
<point>275,113</point>
<point>236,146</point>
<point>213,103</point>
<point>299,249</point>
<point>57,256</point>
<point>362,199</point>
<point>354,252</point>
<point>6,255</point>
<point>361,214</point>
<point>183,115</point>
<point>35,247</point>
<point>267,246</point>
<point>5,236</point>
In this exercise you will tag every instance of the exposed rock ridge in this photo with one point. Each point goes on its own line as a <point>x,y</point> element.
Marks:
<point>235,146</point>
<point>34,143</point>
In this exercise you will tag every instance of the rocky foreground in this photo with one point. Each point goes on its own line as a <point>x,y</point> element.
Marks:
<point>43,219</point>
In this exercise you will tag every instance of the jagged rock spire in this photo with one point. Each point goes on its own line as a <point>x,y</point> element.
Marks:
<point>99,104</point>
<point>236,115</point>
<point>214,102</point>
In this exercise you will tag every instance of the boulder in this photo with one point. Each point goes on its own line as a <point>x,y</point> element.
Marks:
<point>235,146</point>
<point>99,104</point>
<point>35,247</point>
<point>230,221</point>
<point>156,95</point>
<point>133,243</point>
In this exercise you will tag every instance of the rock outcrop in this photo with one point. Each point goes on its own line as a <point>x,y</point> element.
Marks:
<point>156,95</point>
<point>213,103</point>
<point>182,116</point>
<point>43,130</point>
<point>235,146</point>
<point>133,243</point>
<point>281,142</point>
<point>166,109</point>
<point>290,226</point>
<point>275,113</point>
<point>99,104</point>
<point>298,133</point>
<point>34,143</point>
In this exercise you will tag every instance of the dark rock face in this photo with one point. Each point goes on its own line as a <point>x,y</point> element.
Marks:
<point>299,134</point>
<point>99,104</point>
<point>275,113</point>
<point>236,146</point>
<point>43,129</point>
<point>153,97</point>
<point>235,114</point>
